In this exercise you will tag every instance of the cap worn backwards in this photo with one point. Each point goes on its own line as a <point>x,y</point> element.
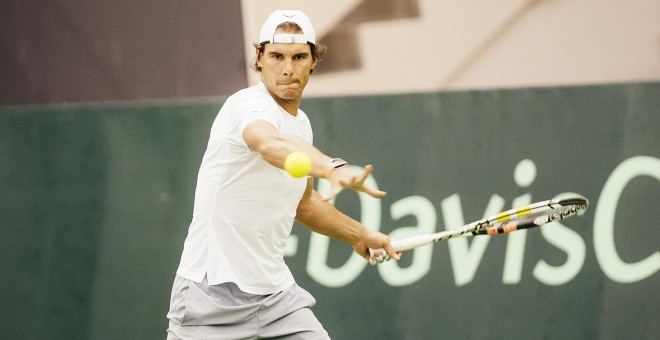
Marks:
<point>268,30</point>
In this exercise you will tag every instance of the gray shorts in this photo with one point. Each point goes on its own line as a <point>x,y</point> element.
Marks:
<point>199,311</point>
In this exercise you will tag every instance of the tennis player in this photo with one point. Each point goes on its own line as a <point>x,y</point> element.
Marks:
<point>232,281</point>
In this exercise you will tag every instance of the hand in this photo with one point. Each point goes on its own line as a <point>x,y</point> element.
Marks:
<point>378,256</point>
<point>381,243</point>
<point>343,178</point>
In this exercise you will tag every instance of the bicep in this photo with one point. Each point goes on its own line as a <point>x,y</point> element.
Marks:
<point>258,132</point>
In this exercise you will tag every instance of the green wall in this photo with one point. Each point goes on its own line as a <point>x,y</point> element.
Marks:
<point>96,199</point>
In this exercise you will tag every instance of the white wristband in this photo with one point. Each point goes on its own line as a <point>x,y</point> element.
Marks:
<point>337,163</point>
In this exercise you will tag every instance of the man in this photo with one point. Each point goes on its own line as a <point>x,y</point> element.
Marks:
<point>232,282</point>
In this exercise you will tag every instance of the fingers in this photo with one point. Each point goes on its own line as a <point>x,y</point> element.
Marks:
<point>355,182</point>
<point>339,185</point>
<point>371,192</point>
<point>337,188</point>
<point>378,256</point>
<point>391,252</point>
<point>368,169</point>
<point>385,253</point>
<point>331,196</point>
<point>374,193</point>
<point>348,181</point>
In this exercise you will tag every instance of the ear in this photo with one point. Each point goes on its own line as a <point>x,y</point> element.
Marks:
<point>258,55</point>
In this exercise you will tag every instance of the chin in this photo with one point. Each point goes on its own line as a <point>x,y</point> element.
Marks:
<point>288,95</point>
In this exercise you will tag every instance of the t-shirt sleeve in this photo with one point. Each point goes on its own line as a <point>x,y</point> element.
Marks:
<point>247,112</point>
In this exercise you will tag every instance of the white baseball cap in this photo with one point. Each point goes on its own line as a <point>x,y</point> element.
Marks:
<point>269,28</point>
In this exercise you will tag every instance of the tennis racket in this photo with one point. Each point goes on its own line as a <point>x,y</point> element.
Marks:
<point>529,216</point>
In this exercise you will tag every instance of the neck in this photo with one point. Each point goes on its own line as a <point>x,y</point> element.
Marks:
<point>289,105</point>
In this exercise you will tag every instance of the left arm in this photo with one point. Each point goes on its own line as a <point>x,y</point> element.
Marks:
<point>275,146</point>
<point>315,213</point>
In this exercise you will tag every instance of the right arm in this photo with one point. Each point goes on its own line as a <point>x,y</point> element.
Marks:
<point>320,216</point>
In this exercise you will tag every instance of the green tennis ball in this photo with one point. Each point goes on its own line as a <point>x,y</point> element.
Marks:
<point>298,164</point>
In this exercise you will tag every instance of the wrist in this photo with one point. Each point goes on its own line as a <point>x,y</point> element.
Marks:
<point>337,163</point>
<point>334,164</point>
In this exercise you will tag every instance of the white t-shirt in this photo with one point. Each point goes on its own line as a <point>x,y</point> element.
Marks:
<point>244,206</point>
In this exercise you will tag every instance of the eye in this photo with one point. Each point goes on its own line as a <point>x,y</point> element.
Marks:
<point>301,56</point>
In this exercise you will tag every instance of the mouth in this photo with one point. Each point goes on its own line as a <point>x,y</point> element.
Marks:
<point>288,83</point>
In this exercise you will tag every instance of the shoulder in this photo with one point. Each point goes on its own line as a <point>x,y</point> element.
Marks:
<point>256,92</point>
<point>251,104</point>
<point>246,101</point>
<point>254,98</point>
<point>302,115</point>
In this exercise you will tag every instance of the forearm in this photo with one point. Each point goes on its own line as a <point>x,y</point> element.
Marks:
<point>276,151</point>
<point>275,146</point>
<point>322,217</point>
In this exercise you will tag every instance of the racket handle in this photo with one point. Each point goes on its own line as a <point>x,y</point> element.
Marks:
<point>406,244</point>
<point>412,242</point>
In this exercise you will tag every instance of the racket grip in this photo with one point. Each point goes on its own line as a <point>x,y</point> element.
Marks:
<point>412,242</point>
<point>407,243</point>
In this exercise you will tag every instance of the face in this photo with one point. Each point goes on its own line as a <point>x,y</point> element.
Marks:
<point>285,70</point>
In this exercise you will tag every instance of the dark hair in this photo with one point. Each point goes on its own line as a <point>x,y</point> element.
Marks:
<point>317,50</point>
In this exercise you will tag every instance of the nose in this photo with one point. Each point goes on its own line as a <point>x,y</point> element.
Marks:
<point>288,67</point>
